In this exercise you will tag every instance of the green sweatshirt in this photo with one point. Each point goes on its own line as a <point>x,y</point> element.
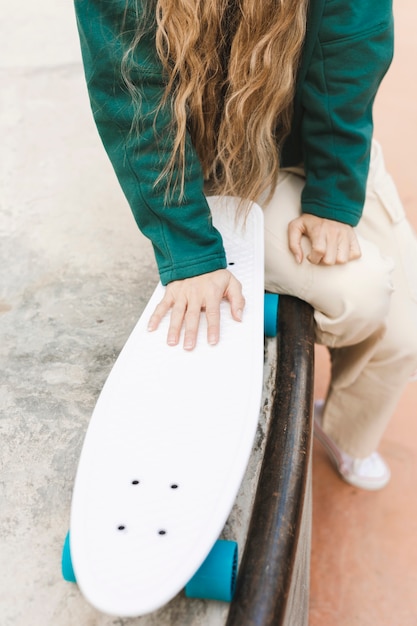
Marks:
<point>347,50</point>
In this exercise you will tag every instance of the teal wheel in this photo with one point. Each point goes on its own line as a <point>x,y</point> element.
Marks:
<point>66,563</point>
<point>216,578</point>
<point>271,314</point>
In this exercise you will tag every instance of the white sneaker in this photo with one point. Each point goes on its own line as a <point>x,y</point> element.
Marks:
<point>370,473</point>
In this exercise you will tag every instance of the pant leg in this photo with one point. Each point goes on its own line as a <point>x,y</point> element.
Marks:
<point>362,397</point>
<point>371,359</point>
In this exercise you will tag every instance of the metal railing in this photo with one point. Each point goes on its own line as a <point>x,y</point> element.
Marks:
<point>273,581</point>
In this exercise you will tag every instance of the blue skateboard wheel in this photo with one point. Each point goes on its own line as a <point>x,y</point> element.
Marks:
<point>216,578</point>
<point>271,301</point>
<point>66,563</point>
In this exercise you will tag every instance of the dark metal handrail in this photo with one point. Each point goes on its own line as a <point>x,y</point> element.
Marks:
<point>273,581</point>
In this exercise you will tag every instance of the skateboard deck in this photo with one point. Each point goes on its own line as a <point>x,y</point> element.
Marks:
<point>168,444</point>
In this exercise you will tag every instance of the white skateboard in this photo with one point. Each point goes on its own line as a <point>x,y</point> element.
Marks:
<point>167,447</point>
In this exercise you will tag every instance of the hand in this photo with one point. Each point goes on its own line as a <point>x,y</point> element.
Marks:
<point>332,243</point>
<point>187,298</point>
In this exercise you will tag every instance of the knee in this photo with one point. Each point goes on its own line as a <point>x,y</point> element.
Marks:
<point>370,289</point>
<point>357,302</point>
<point>399,343</point>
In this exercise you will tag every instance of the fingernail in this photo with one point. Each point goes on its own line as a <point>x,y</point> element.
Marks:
<point>239,314</point>
<point>298,258</point>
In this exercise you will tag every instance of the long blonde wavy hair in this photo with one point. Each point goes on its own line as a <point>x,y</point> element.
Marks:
<point>231,68</point>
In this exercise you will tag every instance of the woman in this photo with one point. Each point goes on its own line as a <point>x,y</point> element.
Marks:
<point>270,102</point>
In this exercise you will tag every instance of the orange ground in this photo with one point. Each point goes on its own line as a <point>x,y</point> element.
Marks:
<point>364,555</point>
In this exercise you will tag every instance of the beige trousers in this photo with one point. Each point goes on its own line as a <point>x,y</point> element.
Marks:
<point>365,311</point>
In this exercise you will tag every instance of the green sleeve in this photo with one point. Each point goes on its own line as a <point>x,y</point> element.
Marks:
<point>351,55</point>
<point>183,237</point>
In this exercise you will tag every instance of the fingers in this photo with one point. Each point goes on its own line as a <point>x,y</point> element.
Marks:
<point>354,248</point>
<point>233,293</point>
<point>335,247</point>
<point>176,321</point>
<point>213,323</point>
<point>183,313</point>
<point>187,298</point>
<point>203,296</point>
<point>160,312</point>
<point>236,299</point>
<point>296,230</point>
<point>332,243</point>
